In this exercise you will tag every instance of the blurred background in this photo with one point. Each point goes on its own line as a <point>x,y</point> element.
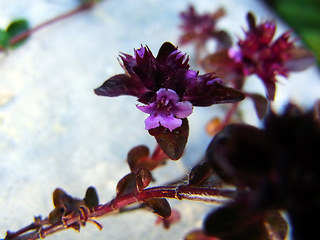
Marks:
<point>55,132</point>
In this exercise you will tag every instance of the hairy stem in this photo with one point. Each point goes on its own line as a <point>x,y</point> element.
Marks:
<point>75,220</point>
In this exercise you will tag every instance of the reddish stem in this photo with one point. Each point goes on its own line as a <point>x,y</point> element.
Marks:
<point>229,114</point>
<point>31,31</point>
<point>209,195</point>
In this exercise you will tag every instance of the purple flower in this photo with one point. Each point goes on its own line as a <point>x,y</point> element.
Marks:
<point>266,58</point>
<point>166,110</point>
<point>166,85</point>
<point>199,27</point>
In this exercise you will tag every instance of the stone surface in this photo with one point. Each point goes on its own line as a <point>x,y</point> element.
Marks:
<point>55,132</point>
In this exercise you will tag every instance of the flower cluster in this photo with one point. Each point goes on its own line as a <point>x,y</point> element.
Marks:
<point>258,53</point>
<point>166,86</point>
<point>261,55</point>
<point>199,27</point>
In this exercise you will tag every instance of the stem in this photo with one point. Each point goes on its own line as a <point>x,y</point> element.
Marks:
<point>209,195</point>
<point>229,114</point>
<point>23,35</point>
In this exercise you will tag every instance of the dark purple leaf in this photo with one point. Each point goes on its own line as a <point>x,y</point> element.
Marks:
<point>270,88</point>
<point>91,198</point>
<point>120,84</point>
<point>127,185</point>
<point>219,63</point>
<point>62,203</point>
<point>60,197</point>
<point>207,93</point>
<point>235,222</point>
<point>172,143</point>
<point>143,178</point>
<point>136,156</point>
<point>260,104</point>
<point>200,173</point>
<point>165,50</point>
<point>159,206</point>
<point>225,67</point>
<point>56,214</point>
<point>239,155</point>
<point>223,39</point>
<point>300,59</point>
<point>251,21</point>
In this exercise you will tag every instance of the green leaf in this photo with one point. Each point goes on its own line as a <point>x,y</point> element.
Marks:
<point>4,39</point>
<point>15,28</point>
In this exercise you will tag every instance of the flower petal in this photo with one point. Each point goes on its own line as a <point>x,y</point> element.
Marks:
<point>152,121</point>
<point>169,94</point>
<point>183,109</point>
<point>150,109</point>
<point>170,122</point>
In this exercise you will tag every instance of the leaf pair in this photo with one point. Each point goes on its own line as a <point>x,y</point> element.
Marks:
<point>135,182</point>
<point>65,205</point>
<point>139,157</point>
